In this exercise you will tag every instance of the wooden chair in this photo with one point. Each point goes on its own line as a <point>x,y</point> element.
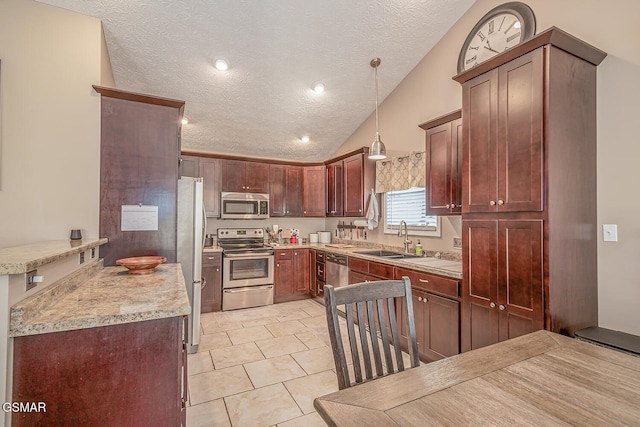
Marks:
<point>373,304</point>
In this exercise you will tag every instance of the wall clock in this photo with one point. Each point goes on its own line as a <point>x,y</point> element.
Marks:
<point>502,28</point>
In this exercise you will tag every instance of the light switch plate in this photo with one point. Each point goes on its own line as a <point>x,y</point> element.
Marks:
<point>457,242</point>
<point>610,232</point>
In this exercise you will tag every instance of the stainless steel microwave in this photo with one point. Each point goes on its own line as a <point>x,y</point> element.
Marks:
<point>244,205</point>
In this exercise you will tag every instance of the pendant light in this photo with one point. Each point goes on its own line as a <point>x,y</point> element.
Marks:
<point>378,150</point>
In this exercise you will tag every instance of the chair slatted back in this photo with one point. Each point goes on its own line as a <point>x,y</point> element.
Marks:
<point>372,329</point>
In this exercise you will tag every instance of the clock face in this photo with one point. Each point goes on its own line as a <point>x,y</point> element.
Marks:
<point>501,29</point>
<point>500,33</point>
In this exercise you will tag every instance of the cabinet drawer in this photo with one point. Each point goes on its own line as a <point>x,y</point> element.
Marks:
<point>283,254</point>
<point>357,264</point>
<point>431,283</point>
<point>381,270</point>
<point>211,259</point>
<point>320,256</point>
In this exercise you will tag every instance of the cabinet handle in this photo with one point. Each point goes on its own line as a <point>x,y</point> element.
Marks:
<point>217,270</point>
<point>210,257</point>
<point>278,265</point>
<point>492,305</point>
<point>423,280</point>
<point>304,211</point>
<point>425,299</point>
<point>419,298</point>
<point>295,253</point>
<point>453,205</point>
<point>500,202</point>
<point>332,212</point>
<point>492,203</point>
<point>359,210</point>
<point>501,307</point>
<point>447,206</point>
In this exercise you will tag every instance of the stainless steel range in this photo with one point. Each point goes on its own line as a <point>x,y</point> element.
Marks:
<point>247,268</point>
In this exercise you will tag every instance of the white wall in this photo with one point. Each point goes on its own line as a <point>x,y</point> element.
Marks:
<point>428,92</point>
<point>49,168</point>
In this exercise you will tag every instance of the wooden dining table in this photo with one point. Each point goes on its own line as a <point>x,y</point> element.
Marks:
<point>539,379</point>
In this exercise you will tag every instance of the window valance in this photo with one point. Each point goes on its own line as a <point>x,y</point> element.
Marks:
<point>401,173</point>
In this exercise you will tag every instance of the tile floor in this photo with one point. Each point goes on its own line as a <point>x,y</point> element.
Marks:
<point>261,367</point>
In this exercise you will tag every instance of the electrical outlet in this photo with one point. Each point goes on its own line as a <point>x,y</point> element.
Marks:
<point>81,257</point>
<point>93,253</point>
<point>457,242</point>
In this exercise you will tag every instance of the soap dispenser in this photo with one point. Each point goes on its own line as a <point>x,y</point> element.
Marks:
<point>418,248</point>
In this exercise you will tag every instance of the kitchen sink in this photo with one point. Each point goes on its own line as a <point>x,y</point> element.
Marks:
<point>387,254</point>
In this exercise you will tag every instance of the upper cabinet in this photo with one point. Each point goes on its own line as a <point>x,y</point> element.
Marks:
<point>503,153</point>
<point>210,170</point>
<point>313,191</point>
<point>245,177</point>
<point>350,180</point>
<point>444,164</point>
<point>334,189</point>
<point>285,190</point>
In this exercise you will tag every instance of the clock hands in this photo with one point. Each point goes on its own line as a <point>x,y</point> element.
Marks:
<point>488,46</point>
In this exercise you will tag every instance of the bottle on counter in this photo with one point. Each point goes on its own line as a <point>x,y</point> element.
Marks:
<point>418,248</point>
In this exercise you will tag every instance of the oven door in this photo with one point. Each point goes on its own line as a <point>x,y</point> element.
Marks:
<point>247,269</point>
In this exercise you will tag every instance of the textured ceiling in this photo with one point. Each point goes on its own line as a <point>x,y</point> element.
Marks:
<point>263,104</point>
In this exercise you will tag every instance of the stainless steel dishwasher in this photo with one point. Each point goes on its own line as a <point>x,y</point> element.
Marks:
<point>337,270</point>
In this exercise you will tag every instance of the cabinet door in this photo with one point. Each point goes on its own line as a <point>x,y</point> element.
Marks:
<point>520,299</point>
<point>439,169</point>
<point>334,189</point>
<point>211,172</point>
<point>442,327</point>
<point>211,299</point>
<point>313,280</point>
<point>293,193</point>
<point>283,278</point>
<point>479,326</point>
<point>189,166</point>
<point>301,271</point>
<point>480,148</point>
<point>456,166</point>
<point>256,177</point>
<point>233,176</point>
<point>353,185</point>
<point>313,191</point>
<point>520,156</point>
<point>277,190</point>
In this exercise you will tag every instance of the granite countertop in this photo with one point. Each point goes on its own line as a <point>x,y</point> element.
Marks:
<point>212,249</point>
<point>451,267</point>
<point>108,297</point>
<point>21,259</point>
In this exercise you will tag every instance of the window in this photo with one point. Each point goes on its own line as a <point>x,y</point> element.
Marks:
<point>410,206</point>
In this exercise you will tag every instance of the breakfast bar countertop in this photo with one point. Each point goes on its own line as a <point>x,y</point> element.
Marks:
<point>540,378</point>
<point>108,297</point>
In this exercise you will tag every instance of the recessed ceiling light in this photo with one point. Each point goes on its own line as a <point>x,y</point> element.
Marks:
<point>318,87</point>
<point>305,139</point>
<point>185,120</point>
<point>221,64</point>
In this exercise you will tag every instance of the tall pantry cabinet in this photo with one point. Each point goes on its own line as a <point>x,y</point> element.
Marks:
<point>529,191</point>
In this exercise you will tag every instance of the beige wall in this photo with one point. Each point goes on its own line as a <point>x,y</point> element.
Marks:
<point>428,92</point>
<point>49,170</point>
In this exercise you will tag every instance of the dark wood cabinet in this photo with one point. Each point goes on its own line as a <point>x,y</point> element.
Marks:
<point>139,147</point>
<point>444,164</point>
<point>354,185</point>
<point>212,273</point>
<point>128,374</point>
<point>503,294</point>
<point>301,283</point>
<point>210,170</point>
<point>334,189</point>
<point>189,166</point>
<point>436,308</point>
<point>313,191</point>
<point>285,190</point>
<point>503,137</point>
<point>529,212</point>
<point>245,177</point>
<point>291,276</point>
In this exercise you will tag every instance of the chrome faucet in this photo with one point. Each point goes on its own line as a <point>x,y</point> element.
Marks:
<point>406,241</point>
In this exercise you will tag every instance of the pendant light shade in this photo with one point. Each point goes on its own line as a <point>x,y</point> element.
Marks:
<point>378,150</point>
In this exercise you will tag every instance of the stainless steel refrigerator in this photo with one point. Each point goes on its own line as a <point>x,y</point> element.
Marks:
<point>192,225</point>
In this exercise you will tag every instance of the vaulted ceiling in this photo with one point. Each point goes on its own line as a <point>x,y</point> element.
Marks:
<point>276,49</point>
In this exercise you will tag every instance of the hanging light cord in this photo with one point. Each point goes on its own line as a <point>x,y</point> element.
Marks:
<point>374,63</point>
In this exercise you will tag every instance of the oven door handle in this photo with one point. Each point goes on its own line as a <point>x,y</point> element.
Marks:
<point>249,255</point>
<point>247,289</point>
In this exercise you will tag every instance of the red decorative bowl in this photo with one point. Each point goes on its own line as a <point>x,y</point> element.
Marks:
<point>141,264</point>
